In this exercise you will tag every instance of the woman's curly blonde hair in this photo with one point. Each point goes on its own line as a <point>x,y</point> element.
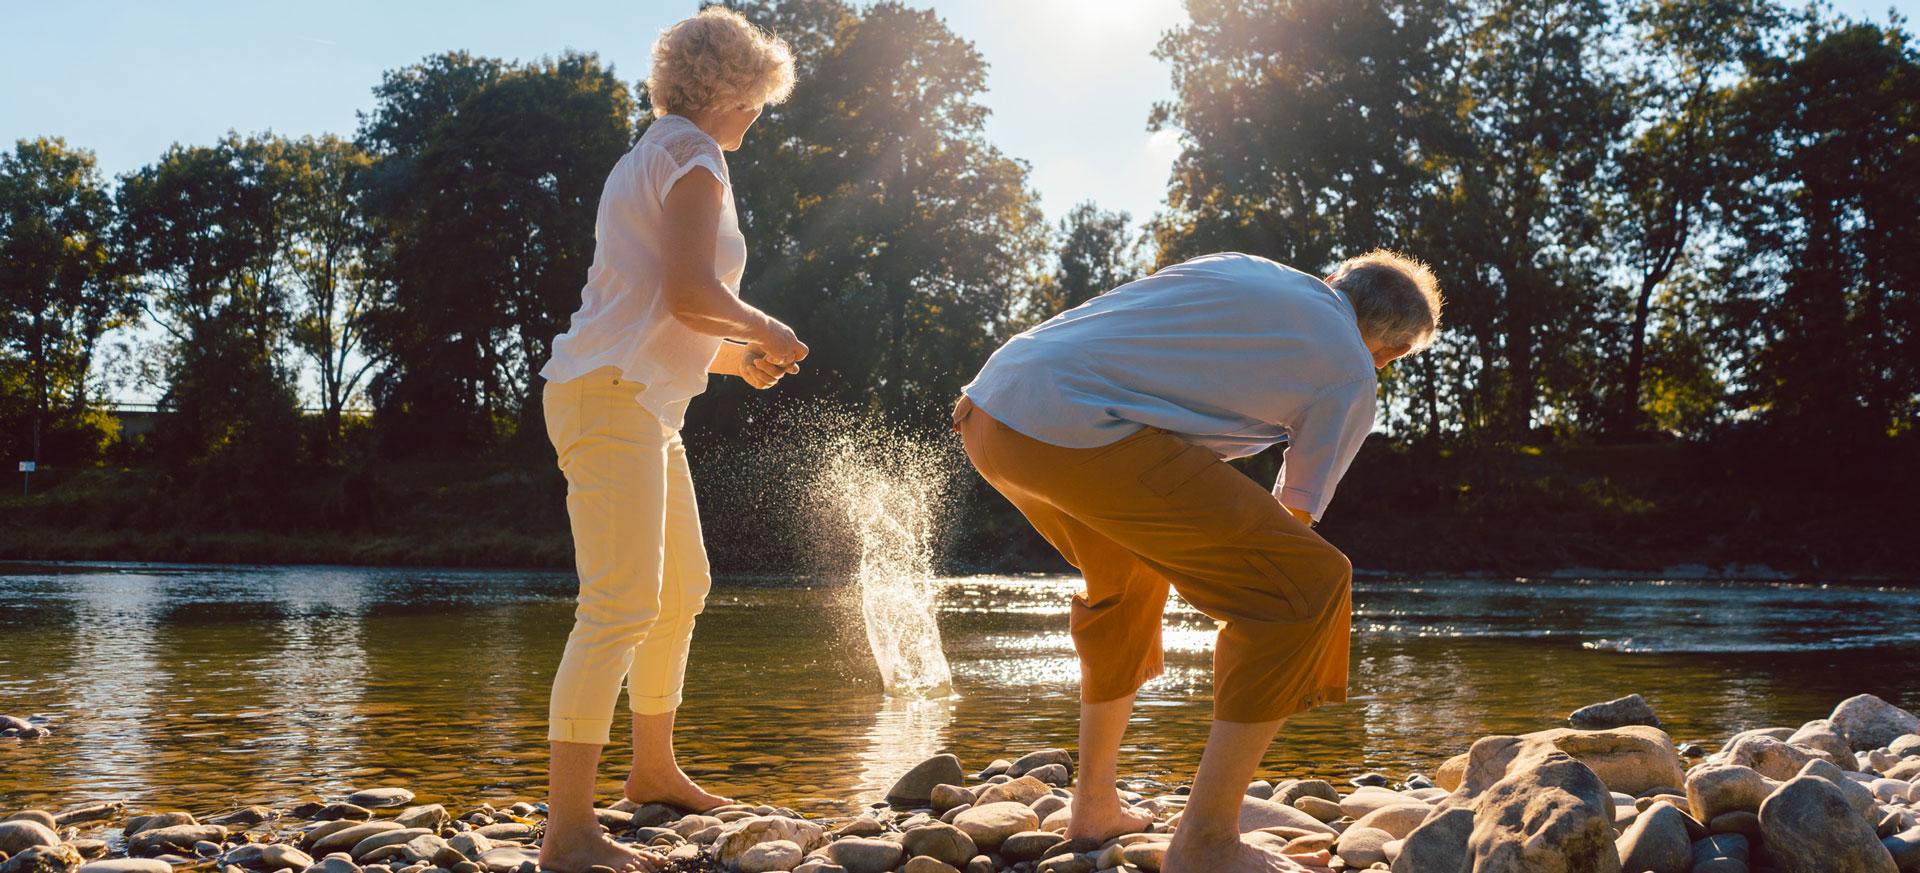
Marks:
<point>718,59</point>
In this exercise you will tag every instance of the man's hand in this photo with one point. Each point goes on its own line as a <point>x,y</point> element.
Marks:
<point>760,371</point>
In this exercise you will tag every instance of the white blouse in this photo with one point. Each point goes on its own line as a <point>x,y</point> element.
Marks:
<point>623,320</point>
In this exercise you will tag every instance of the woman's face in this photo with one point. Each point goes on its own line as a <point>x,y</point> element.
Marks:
<point>729,126</point>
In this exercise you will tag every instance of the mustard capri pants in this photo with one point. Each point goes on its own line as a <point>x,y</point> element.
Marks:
<point>1153,511</point>
<point>636,541</point>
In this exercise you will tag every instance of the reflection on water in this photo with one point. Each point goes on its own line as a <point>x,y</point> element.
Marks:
<point>205,687</point>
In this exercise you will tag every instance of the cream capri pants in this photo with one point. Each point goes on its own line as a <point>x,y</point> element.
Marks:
<point>636,543</point>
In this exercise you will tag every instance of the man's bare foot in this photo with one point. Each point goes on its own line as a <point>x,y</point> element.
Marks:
<point>673,789</point>
<point>578,852</point>
<point>1230,853</point>
<point>1102,821</point>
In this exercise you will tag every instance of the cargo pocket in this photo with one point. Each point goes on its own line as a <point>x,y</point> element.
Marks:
<point>1281,583</point>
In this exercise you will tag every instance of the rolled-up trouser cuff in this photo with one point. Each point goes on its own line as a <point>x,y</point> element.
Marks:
<point>653,705</point>
<point>590,731</point>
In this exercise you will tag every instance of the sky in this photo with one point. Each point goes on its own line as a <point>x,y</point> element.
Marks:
<point>1070,81</point>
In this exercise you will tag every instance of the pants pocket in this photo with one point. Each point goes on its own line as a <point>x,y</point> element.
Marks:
<point>1266,569</point>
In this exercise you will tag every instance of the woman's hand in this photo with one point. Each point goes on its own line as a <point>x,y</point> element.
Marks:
<point>779,344</point>
<point>760,372</point>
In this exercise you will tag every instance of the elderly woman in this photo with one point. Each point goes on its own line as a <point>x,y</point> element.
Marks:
<point>660,311</point>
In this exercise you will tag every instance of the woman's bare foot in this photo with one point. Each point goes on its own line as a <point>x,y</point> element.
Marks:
<point>1102,820</point>
<point>673,789</point>
<point>578,852</point>
<point>1230,853</point>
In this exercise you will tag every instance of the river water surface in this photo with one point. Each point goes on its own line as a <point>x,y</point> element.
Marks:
<point>207,687</point>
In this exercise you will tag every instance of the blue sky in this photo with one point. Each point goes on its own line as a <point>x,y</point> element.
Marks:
<point>1070,85</point>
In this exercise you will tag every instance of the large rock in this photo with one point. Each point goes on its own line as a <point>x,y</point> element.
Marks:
<point>1035,760</point>
<point>267,856</point>
<point>865,855</point>
<point>343,839</point>
<point>1904,847</point>
<point>737,836</point>
<point>1713,789</point>
<point>1397,819</point>
<point>19,835</point>
<point>915,788</point>
<point>988,824</point>
<point>507,859</point>
<point>1821,737</point>
<point>1808,827</point>
<point>1362,847</point>
<point>1630,760</point>
<point>361,851</point>
<point>1773,758</point>
<point>431,817</point>
<point>1858,796</point>
<point>1025,790</point>
<point>942,841</point>
<point>770,856</point>
<point>140,823</point>
<point>127,865</point>
<point>1256,814</point>
<point>1657,842</point>
<point>178,838</point>
<point>1619,712</point>
<point>44,859</point>
<point>1869,722</point>
<point>380,798</point>
<point>1438,845</point>
<point>1551,815</point>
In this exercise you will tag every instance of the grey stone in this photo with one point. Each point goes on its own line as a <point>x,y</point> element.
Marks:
<point>140,823</point>
<point>1823,737</point>
<point>1808,827</point>
<point>430,816</point>
<point>342,839</point>
<point>267,856</point>
<point>177,838</point>
<point>127,865</point>
<point>989,824</point>
<point>1256,814</point>
<point>1024,790</point>
<point>43,859</point>
<point>924,864</point>
<point>916,785</point>
<point>1619,712</point>
<point>20,835</point>
<point>1904,848</point>
<point>946,797</point>
<point>1657,842</point>
<point>735,837</point>
<point>1029,845</point>
<point>1292,790</point>
<point>1772,758</point>
<point>1553,815</point>
<point>1438,845</point>
<point>770,856</point>
<point>1362,847</point>
<point>363,850</point>
<point>380,798</point>
<point>945,842</point>
<point>1869,722</point>
<point>1052,774</point>
<point>1035,760</point>
<point>865,855</point>
<point>1716,788</point>
<point>1629,759</point>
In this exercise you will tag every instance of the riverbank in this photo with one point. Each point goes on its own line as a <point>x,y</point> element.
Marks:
<point>1665,508</point>
<point>1610,791</point>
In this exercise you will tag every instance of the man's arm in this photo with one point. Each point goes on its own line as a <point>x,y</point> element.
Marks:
<point>1321,445</point>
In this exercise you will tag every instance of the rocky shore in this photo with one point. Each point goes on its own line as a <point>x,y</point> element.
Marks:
<point>1610,792</point>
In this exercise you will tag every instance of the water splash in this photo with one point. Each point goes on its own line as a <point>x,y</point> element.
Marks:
<point>892,500</point>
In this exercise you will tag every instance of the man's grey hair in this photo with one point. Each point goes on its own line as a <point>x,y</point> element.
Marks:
<point>1396,298</point>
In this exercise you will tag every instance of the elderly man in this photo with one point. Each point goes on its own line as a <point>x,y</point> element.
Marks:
<point>1109,425</point>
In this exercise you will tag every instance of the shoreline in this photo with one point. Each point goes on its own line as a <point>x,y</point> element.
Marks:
<point>1610,792</point>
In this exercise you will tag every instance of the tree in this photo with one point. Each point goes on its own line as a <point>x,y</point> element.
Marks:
<point>1664,179</point>
<point>331,261</point>
<point>203,230</point>
<point>880,222</point>
<point>485,189</point>
<point>58,281</point>
<point>1096,253</point>
<point>1825,275</point>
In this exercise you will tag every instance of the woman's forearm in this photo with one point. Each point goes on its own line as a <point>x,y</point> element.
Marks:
<point>728,360</point>
<point>707,307</point>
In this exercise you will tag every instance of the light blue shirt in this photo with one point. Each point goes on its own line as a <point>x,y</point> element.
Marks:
<point>1231,351</point>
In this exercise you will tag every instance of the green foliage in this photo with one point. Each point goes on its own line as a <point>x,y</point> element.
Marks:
<point>483,192</point>
<point>881,224</point>
<point>1825,273</point>
<point>1096,252</point>
<point>60,290</point>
